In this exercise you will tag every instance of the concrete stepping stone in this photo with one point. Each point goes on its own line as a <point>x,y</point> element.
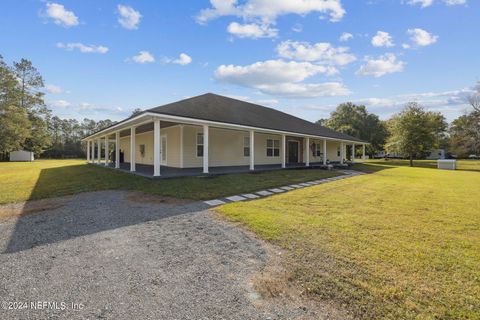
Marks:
<point>296,186</point>
<point>215,202</point>
<point>276,190</point>
<point>287,188</point>
<point>250,196</point>
<point>236,198</point>
<point>264,193</point>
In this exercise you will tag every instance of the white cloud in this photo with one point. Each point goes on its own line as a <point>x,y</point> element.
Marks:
<point>129,18</point>
<point>267,11</point>
<point>381,66</point>
<point>321,52</point>
<point>422,37</point>
<point>428,3</point>
<point>183,59</point>
<point>60,15</point>
<point>143,57</point>
<point>345,36</point>
<point>422,3</point>
<point>449,102</point>
<point>82,47</point>
<point>278,77</point>
<point>252,30</point>
<point>297,28</point>
<point>382,39</point>
<point>61,104</point>
<point>454,2</point>
<point>51,88</point>
<point>405,46</point>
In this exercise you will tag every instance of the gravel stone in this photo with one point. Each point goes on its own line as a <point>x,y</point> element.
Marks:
<point>121,259</point>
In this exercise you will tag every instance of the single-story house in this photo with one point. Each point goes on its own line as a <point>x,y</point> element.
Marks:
<point>214,134</point>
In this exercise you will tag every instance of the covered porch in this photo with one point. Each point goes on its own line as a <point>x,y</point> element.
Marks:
<point>163,146</point>
<point>147,171</point>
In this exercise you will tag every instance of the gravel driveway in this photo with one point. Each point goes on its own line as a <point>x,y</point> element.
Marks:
<point>117,259</point>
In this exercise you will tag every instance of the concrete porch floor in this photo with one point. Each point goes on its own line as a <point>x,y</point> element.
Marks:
<point>171,172</point>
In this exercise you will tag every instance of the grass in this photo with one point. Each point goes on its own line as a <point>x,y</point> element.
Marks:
<point>51,178</point>
<point>400,243</point>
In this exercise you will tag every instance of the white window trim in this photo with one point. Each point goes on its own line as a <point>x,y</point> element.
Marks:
<point>272,147</point>
<point>197,144</point>
<point>246,139</point>
<point>164,162</point>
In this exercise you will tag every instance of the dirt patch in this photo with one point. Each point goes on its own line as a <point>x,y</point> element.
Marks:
<point>30,207</point>
<point>140,197</point>
<point>274,286</point>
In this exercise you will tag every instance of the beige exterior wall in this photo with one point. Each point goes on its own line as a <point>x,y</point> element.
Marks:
<point>146,138</point>
<point>226,147</point>
<point>332,151</point>
<point>261,149</point>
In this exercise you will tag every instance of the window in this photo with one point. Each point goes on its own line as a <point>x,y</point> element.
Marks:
<point>338,151</point>
<point>199,144</point>
<point>246,146</point>
<point>142,150</point>
<point>163,149</point>
<point>317,151</point>
<point>273,148</point>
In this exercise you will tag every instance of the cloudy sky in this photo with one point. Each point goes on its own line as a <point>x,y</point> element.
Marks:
<point>102,59</point>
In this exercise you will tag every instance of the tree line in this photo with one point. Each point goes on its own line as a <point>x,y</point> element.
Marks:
<point>413,132</point>
<point>27,124</point>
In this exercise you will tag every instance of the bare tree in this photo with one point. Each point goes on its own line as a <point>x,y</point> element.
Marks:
<point>474,98</point>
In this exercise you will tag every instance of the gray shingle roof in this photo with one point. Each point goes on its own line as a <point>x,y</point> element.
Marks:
<point>218,108</point>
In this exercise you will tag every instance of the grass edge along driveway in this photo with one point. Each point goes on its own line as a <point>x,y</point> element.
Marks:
<point>400,243</point>
<point>52,178</point>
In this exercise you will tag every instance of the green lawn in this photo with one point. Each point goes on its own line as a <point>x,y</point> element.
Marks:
<point>50,178</point>
<point>400,243</point>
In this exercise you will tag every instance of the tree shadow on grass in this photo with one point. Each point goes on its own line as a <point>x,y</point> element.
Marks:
<point>81,214</point>
<point>374,165</point>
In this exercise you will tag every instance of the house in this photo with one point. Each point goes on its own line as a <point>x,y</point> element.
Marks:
<point>215,134</point>
<point>21,155</point>
<point>436,154</point>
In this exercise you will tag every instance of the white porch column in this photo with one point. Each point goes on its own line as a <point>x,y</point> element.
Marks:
<point>307,160</point>
<point>117,150</point>
<point>284,146</point>
<point>252,150</point>
<point>353,152</point>
<point>324,152</point>
<point>99,149</point>
<point>156,148</point>
<point>363,152</point>
<point>132,149</point>
<point>106,151</point>
<point>92,151</point>
<point>88,150</point>
<point>205,149</point>
<point>342,152</point>
<point>181,146</point>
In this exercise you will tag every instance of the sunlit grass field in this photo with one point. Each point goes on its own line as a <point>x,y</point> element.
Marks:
<point>20,181</point>
<point>399,243</point>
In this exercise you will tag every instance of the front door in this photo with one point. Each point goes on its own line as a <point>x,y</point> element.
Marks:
<point>292,152</point>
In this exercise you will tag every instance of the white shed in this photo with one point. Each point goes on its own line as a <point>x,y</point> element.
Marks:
<point>447,164</point>
<point>21,155</point>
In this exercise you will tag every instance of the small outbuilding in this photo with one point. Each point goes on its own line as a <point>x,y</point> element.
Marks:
<point>21,155</point>
<point>447,164</point>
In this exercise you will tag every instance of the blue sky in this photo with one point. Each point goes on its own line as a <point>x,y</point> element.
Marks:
<point>102,59</point>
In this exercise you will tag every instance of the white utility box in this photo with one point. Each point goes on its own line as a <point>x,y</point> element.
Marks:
<point>447,164</point>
